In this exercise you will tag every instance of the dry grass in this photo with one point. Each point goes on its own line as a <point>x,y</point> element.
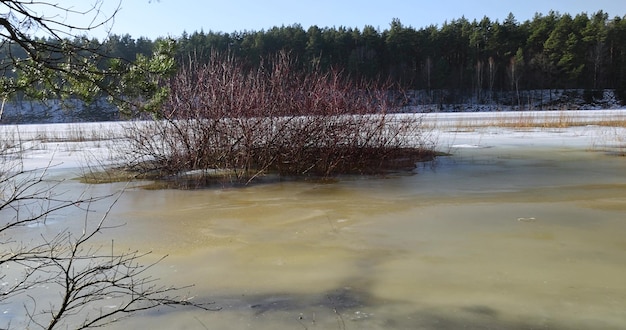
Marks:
<point>608,134</point>
<point>611,140</point>
<point>74,133</point>
<point>613,122</point>
<point>109,175</point>
<point>539,120</point>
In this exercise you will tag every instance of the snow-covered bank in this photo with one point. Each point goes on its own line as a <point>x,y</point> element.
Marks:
<point>415,101</point>
<point>61,146</point>
<point>573,128</point>
<point>422,101</point>
<point>466,120</point>
<point>79,144</point>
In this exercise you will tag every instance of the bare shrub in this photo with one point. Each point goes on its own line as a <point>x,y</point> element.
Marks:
<point>222,116</point>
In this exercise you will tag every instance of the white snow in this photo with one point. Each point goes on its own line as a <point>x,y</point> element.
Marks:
<point>62,146</point>
<point>73,146</point>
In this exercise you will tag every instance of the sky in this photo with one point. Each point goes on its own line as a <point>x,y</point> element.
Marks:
<point>163,18</point>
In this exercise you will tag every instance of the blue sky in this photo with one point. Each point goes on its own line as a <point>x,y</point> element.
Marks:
<point>154,18</point>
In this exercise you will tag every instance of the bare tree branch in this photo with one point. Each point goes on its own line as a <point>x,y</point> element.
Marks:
<point>86,285</point>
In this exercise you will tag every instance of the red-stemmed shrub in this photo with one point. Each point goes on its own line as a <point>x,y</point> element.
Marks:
<point>223,118</point>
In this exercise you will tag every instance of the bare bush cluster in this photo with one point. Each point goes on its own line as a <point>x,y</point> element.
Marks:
<point>272,119</point>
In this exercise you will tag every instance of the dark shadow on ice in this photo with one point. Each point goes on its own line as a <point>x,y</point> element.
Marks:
<point>356,306</point>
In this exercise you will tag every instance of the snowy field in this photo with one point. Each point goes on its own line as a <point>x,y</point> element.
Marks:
<point>76,145</point>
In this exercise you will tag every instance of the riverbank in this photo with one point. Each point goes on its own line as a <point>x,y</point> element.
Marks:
<point>76,145</point>
<point>415,101</point>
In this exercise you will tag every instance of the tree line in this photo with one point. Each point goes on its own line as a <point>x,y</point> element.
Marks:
<point>548,52</point>
<point>552,51</point>
<point>479,57</point>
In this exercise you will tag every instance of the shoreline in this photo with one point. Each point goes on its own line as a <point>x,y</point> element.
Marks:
<point>74,145</point>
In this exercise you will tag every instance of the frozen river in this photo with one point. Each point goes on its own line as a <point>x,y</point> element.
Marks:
<point>516,229</point>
